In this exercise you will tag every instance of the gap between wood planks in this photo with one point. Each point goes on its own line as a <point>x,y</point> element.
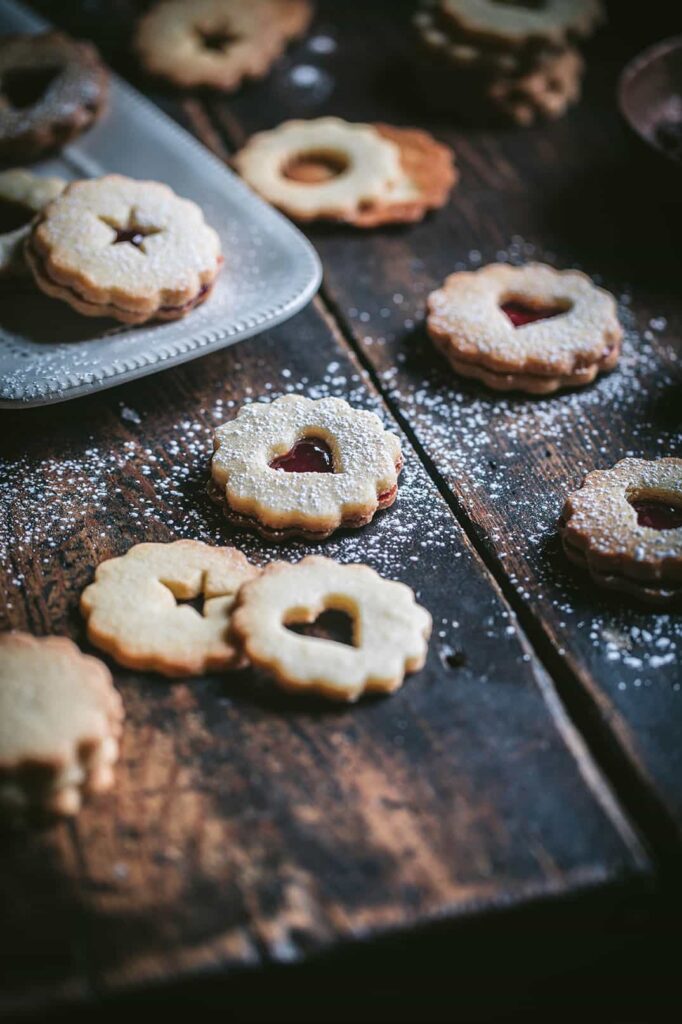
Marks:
<point>221,132</point>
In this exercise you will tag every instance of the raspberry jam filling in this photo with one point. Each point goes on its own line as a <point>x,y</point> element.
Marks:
<point>657,515</point>
<point>520,314</point>
<point>309,455</point>
<point>135,235</point>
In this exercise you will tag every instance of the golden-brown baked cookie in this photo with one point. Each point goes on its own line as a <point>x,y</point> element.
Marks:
<point>60,723</point>
<point>624,526</point>
<point>363,174</point>
<point>304,467</point>
<point>390,630</point>
<point>529,328</point>
<point>218,43</point>
<point>128,249</point>
<point>51,89</point>
<point>138,608</point>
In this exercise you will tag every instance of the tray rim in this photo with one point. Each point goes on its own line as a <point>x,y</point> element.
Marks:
<point>308,281</point>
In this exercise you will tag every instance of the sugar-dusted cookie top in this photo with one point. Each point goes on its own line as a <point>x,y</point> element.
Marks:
<point>60,721</point>
<point>259,469</point>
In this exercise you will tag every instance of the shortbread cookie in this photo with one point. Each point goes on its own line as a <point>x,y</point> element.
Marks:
<point>51,89</point>
<point>517,23</point>
<point>22,195</point>
<point>366,175</point>
<point>132,250</point>
<point>304,467</point>
<point>60,723</point>
<point>390,630</point>
<point>441,40</point>
<point>624,526</point>
<point>543,93</point>
<point>134,608</point>
<point>528,328</point>
<point>218,43</point>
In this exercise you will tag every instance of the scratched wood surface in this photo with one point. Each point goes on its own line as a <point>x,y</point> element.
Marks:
<point>560,192</point>
<point>249,830</point>
<point>246,827</point>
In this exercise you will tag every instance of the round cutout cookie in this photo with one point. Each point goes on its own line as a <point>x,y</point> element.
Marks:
<point>52,88</point>
<point>217,43</point>
<point>555,327</point>
<point>139,607</point>
<point>362,174</point>
<point>304,467</point>
<point>390,630</point>
<point>60,723</point>
<point>624,525</point>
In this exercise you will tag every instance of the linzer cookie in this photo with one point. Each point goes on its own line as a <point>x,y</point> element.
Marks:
<point>490,60</point>
<point>60,723</point>
<point>22,195</point>
<point>390,630</point>
<point>300,467</point>
<point>543,93</point>
<point>624,526</point>
<point>518,23</point>
<point>132,250</point>
<point>218,43</point>
<point>530,328</point>
<point>51,89</point>
<point>363,174</point>
<point>139,611</point>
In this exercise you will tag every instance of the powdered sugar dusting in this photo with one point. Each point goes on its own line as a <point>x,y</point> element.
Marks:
<point>50,504</point>
<point>482,442</point>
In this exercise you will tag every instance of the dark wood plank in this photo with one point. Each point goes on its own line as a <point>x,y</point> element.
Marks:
<point>561,192</point>
<point>245,827</point>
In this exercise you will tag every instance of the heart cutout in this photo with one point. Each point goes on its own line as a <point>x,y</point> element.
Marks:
<point>521,314</point>
<point>331,624</point>
<point>309,455</point>
<point>657,515</point>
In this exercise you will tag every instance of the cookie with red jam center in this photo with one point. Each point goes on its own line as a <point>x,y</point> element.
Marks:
<point>530,328</point>
<point>304,467</point>
<point>117,247</point>
<point>624,526</point>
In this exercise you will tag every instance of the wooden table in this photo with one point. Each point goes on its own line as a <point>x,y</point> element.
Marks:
<point>514,813</point>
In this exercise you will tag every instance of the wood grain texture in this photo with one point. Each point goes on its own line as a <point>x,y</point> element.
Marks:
<point>562,192</point>
<point>247,827</point>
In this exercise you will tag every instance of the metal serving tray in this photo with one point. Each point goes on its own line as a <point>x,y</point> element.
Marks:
<point>49,353</point>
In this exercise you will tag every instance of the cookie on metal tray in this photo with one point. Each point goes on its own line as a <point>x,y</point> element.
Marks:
<point>60,723</point>
<point>51,89</point>
<point>363,174</point>
<point>22,195</point>
<point>218,43</point>
<point>117,247</point>
<point>529,328</point>
<point>624,526</point>
<point>138,608</point>
<point>304,467</point>
<point>390,630</point>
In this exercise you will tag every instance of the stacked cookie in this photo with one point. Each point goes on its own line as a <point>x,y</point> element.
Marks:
<point>60,724</point>
<point>117,247</point>
<point>515,60</point>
